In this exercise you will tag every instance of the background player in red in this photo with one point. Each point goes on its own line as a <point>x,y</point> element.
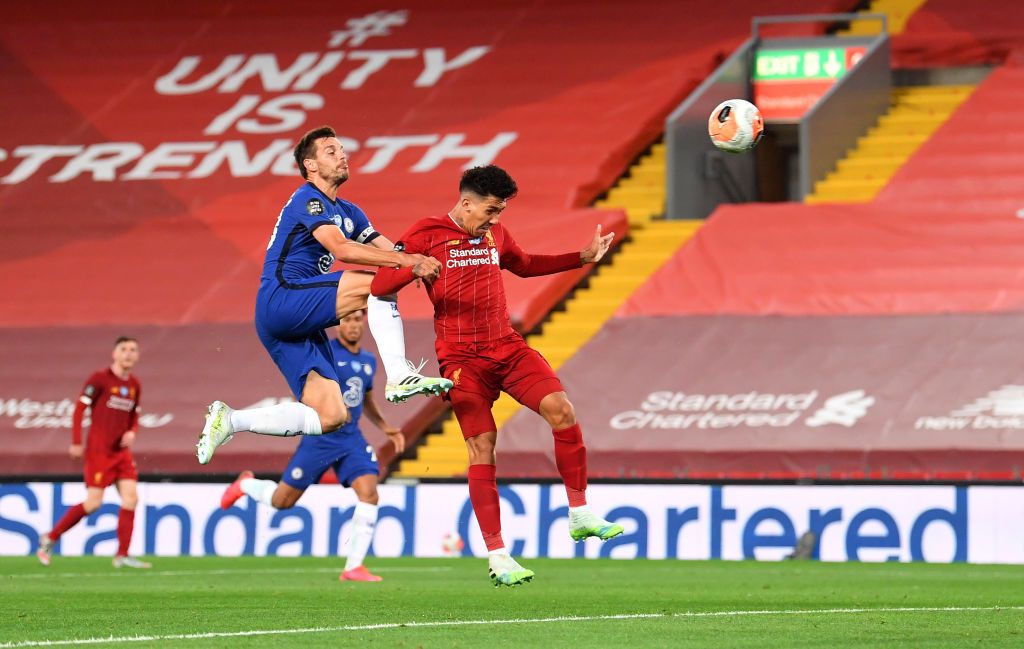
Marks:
<point>112,396</point>
<point>480,352</point>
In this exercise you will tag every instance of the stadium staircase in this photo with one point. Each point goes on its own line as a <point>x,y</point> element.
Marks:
<point>915,114</point>
<point>652,240</point>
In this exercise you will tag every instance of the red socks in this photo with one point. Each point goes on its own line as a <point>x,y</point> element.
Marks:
<point>483,493</point>
<point>571,460</point>
<point>125,523</point>
<point>67,521</point>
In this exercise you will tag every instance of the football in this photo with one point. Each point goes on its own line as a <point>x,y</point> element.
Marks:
<point>735,126</point>
<point>451,544</point>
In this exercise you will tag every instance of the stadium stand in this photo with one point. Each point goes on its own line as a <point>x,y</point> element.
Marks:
<point>946,33</point>
<point>871,341</point>
<point>142,163</point>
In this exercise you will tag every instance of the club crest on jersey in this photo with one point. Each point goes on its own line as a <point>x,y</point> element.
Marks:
<point>349,225</point>
<point>314,207</point>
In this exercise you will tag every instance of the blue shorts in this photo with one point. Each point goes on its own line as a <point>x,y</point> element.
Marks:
<point>290,322</point>
<point>347,453</point>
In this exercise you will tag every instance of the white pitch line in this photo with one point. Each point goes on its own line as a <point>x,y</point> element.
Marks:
<point>538,620</point>
<point>224,571</point>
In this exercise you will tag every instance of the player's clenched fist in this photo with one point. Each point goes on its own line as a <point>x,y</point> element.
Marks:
<point>426,268</point>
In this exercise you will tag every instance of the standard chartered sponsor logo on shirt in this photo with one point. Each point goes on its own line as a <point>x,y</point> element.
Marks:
<point>472,257</point>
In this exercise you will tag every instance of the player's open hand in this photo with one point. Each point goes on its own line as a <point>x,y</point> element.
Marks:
<point>427,268</point>
<point>75,451</point>
<point>598,246</point>
<point>397,438</point>
<point>127,439</point>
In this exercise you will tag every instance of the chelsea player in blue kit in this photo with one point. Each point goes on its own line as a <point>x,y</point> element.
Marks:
<point>299,297</point>
<point>346,451</point>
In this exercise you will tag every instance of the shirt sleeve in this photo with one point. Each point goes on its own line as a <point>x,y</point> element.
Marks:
<point>372,362</point>
<point>363,232</point>
<point>523,264</point>
<point>133,417</point>
<point>91,391</point>
<point>311,213</point>
<point>391,280</point>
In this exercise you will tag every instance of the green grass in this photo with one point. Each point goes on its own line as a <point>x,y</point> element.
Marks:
<point>689,604</point>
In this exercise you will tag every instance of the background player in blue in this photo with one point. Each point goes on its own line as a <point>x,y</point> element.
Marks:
<point>346,451</point>
<point>299,297</point>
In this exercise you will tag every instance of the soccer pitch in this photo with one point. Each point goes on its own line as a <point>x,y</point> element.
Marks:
<point>284,602</point>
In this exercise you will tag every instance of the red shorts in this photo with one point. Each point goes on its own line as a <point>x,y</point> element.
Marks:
<point>103,470</point>
<point>480,371</point>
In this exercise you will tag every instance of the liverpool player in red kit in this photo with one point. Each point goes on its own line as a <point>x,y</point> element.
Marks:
<point>480,352</point>
<point>112,395</point>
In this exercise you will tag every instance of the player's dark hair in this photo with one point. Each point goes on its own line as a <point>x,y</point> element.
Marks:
<point>306,148</point>
<point>491,180</point>
<point>125,339</point>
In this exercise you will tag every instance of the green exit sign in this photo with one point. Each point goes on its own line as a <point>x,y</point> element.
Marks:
<point>811,63</point>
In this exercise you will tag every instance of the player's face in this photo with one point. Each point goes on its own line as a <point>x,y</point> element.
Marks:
<point>331,161</point>
<point>480,214</point>
<point>126,354</point>
<point>350,328</point>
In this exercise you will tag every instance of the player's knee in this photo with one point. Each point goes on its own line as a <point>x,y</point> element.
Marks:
<point>283,500</point>
<point>481,449</point>
<point>129,501</point>
<point>369,497</point>
<point>333,418</point>
<point>91,504</point>
<point>560,413</point>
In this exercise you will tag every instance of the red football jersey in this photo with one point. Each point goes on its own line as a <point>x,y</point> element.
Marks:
<point>114,404</point>
<point>469,296</point>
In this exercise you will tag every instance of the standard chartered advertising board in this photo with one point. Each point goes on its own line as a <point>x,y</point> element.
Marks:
<point>864,523</point>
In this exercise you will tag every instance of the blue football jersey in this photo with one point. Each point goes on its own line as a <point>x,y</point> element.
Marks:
<point>355,375</point>
<point>293,253</point>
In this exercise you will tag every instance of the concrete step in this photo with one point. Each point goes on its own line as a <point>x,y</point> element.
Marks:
<point>817,199</point>
<point>435,469</point>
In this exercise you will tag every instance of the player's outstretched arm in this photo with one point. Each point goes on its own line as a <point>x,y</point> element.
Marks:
<point>356,253</point>
<point>524,264</point>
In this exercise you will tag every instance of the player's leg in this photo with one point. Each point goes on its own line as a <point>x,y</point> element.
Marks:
<point>531,381</point>
<point>307,364</point>
<point>127,488</point>
<point>290,322</point>
<point>403,379</point>
<point>356,467</point>
<point>473,412</point>
<point>307,464</point>
<point>272,494</point>
<point>74,514</point>
<point>364,520</point>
